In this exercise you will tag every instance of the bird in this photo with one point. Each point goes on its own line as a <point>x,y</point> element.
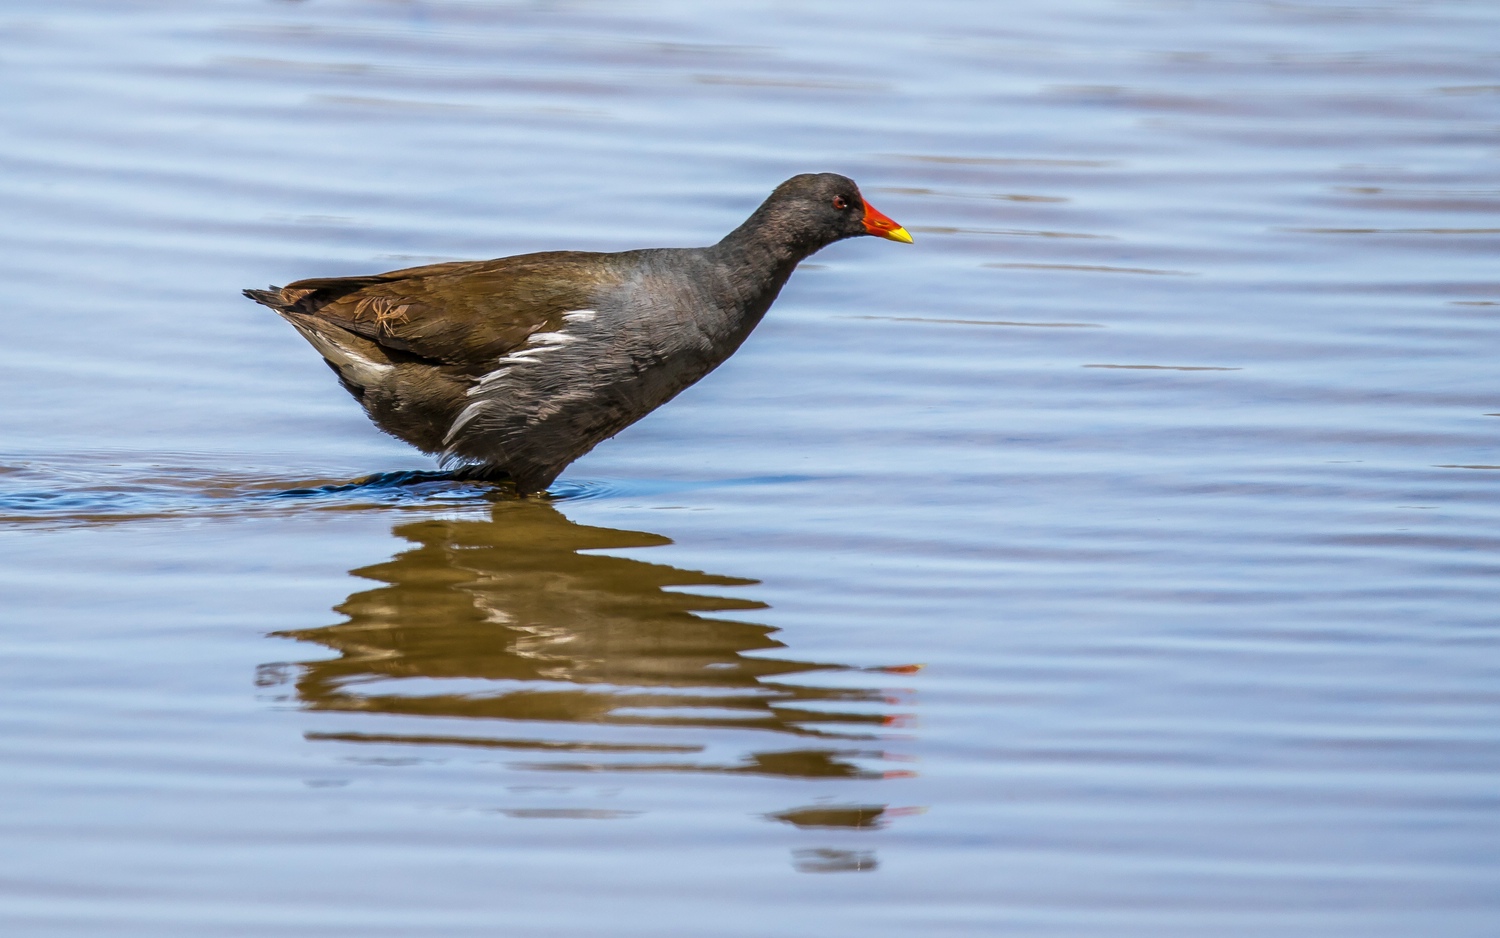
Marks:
<point>511,369</point>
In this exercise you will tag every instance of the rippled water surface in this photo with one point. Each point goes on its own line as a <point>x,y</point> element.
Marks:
<point>1122,558</point>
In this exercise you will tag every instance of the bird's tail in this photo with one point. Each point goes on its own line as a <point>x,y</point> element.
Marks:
<point>270,297</point>
<point>359,363</point>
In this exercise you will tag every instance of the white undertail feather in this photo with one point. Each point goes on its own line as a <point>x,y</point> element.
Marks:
<point>356,368</point>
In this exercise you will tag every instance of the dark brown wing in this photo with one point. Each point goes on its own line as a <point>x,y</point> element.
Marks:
<point>461,313</point>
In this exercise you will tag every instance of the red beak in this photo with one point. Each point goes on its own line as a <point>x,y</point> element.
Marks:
<point>876,223</point>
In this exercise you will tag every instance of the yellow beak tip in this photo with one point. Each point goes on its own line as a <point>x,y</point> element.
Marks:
<point>899,234</point>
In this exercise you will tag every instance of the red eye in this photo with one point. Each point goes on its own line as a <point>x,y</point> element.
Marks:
<point>839,203</point>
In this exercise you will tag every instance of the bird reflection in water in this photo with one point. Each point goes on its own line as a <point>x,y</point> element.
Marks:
<point>515,618</point>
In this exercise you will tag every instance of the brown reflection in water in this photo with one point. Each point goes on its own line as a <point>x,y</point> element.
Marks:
<point>834,816</point>
<point>548,631</point>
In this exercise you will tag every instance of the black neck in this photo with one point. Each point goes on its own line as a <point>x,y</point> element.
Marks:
<point>761,254</point>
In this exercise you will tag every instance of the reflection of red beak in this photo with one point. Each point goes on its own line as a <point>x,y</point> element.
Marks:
<point>882,227</point>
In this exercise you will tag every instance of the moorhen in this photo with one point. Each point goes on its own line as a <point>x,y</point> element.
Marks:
<point>513,368</point>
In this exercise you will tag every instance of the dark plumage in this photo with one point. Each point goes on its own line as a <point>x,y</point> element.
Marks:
<point>515,367</point>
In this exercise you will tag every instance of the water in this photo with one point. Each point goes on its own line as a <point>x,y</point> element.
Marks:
<point>1120,559</point>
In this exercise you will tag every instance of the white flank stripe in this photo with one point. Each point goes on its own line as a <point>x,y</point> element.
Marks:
<point>464,416</point>
<point>528,354</point>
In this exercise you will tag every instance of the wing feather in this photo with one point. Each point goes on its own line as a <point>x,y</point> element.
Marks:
<point>465,313</point>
